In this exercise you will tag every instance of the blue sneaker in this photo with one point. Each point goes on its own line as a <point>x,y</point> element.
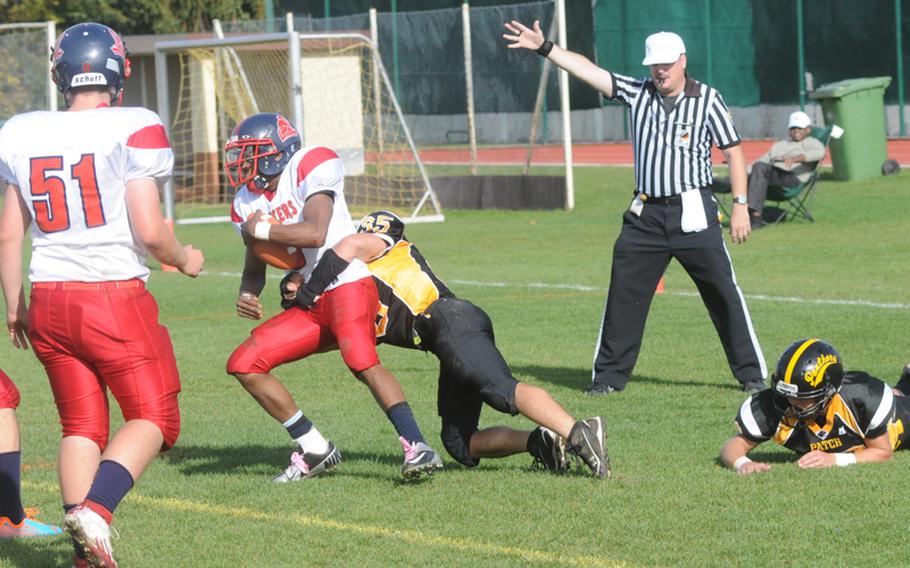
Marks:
<point>28,528</point>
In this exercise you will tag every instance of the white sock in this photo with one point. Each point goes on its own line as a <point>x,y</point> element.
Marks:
<point>313,442</point>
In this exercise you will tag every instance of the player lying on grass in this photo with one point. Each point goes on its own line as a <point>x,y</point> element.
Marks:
<point>15,521</point>
<point>418,311</point>
<point>303,189</point>
<point>828,416</point>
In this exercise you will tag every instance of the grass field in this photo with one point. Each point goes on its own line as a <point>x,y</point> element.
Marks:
<point>542,276</point>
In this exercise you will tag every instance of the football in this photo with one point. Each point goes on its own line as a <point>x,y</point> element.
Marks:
<point>277,255</point>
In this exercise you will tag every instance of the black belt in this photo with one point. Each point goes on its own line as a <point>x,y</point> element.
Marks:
<point>668,200</point>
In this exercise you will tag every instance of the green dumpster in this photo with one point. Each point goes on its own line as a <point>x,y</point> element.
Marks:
<point>857,106</point>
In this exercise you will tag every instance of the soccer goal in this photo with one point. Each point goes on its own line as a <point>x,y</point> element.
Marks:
<point>331,85</point>
<point>25,64</point>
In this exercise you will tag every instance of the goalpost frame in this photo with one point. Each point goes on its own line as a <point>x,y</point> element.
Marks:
<point>164,48</point>
<point>51,37</point>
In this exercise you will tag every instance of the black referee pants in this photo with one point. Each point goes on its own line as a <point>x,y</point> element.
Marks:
<point>640,256</point>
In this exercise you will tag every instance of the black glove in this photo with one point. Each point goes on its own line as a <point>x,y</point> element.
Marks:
<point>283,289</point>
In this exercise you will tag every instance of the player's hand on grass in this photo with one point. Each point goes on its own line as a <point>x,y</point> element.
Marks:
<point>248,306</point>
<point>751,467</point>
<point>194,261</point>
<point>815,459</point>
<point>522,36</point>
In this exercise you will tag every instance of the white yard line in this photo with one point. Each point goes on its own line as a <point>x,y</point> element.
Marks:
<point>582,288</point>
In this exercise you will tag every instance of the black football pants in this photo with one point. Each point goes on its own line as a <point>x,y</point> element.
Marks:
<point>640,256</point>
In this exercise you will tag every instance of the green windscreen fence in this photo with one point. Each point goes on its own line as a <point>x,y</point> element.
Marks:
<point>717,36</point>
<point>748,49</point>
<point>423,50</point>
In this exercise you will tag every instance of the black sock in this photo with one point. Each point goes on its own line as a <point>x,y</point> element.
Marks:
<point>403,419</point>
<point>10,495</point>
<point>299,427</point>
<point>112,483</point>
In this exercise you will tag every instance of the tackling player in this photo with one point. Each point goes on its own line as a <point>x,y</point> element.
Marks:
<point>828,416</point>
<point>418,311</point>
<point>86,183</point>
<point>15,521</point>
<point>302,188</point>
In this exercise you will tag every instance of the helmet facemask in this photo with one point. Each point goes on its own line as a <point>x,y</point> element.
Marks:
<point>250,162</point>
<point>783,401</point>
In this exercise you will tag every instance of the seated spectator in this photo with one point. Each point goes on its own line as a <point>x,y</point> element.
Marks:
<point>786,164</point>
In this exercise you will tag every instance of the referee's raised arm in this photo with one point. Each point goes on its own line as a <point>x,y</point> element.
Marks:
<point>523,37</point>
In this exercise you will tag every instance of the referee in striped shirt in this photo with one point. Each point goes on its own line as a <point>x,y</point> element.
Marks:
<point>675,119</point>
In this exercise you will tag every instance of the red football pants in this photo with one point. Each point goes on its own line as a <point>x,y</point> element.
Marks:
<point>95,336</point>
<point>9,394</point>
<point>344,317</point>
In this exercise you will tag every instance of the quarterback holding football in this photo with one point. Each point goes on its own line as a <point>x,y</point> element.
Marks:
<point>302,188</point>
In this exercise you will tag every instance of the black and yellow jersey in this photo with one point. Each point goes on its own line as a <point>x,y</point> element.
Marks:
<point>863,408</point>
<point>406,283</point>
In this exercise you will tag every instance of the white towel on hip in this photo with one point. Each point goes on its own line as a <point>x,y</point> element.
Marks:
<point>693,212</point>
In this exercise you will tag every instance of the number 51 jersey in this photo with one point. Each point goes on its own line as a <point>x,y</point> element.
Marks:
<point>72,169</point>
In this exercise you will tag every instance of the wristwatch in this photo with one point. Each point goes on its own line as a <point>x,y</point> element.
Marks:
<point>741,199</point>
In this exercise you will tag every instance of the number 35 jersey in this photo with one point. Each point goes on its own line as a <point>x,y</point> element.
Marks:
<point>864,408</point>
<point>72,169</point>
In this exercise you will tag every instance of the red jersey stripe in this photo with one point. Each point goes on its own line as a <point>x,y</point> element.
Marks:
<point>234,216</point>
<point>151,137</point>
<point>312,159</point>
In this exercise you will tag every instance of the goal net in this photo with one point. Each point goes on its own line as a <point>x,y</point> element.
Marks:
<point>331,86</point>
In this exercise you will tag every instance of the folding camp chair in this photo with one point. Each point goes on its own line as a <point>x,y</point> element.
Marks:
<point>795,200</point>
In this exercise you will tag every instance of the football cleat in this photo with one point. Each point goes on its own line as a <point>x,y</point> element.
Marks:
<point>600,389</point>
<point>419,459</point>
<point>93,534</point>
<point>29,527</point>
<point>588,441</point>
<point>548,449</point>
<point>309,465</point>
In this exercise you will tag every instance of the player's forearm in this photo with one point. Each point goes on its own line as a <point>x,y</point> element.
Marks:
<point>165,248</point>
<point>734,450</point>
<point>11,274</point>
<point>362,246</point>
<point>737,164</point>
<point>877,450</point>
<point>302,235</point>
<point>583,68</point>
<point>252,282</point>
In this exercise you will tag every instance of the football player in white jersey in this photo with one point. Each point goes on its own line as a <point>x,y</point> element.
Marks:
<point>302,188</point>
<point>831,417</point>
<point>86,183</point>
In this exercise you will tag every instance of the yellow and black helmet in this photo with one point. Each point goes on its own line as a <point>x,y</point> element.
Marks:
<point>810,369</point>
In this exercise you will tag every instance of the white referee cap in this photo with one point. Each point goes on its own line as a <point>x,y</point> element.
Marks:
<point>663,47</point>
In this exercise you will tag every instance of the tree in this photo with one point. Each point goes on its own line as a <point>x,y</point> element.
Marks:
<point>134,16</point>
